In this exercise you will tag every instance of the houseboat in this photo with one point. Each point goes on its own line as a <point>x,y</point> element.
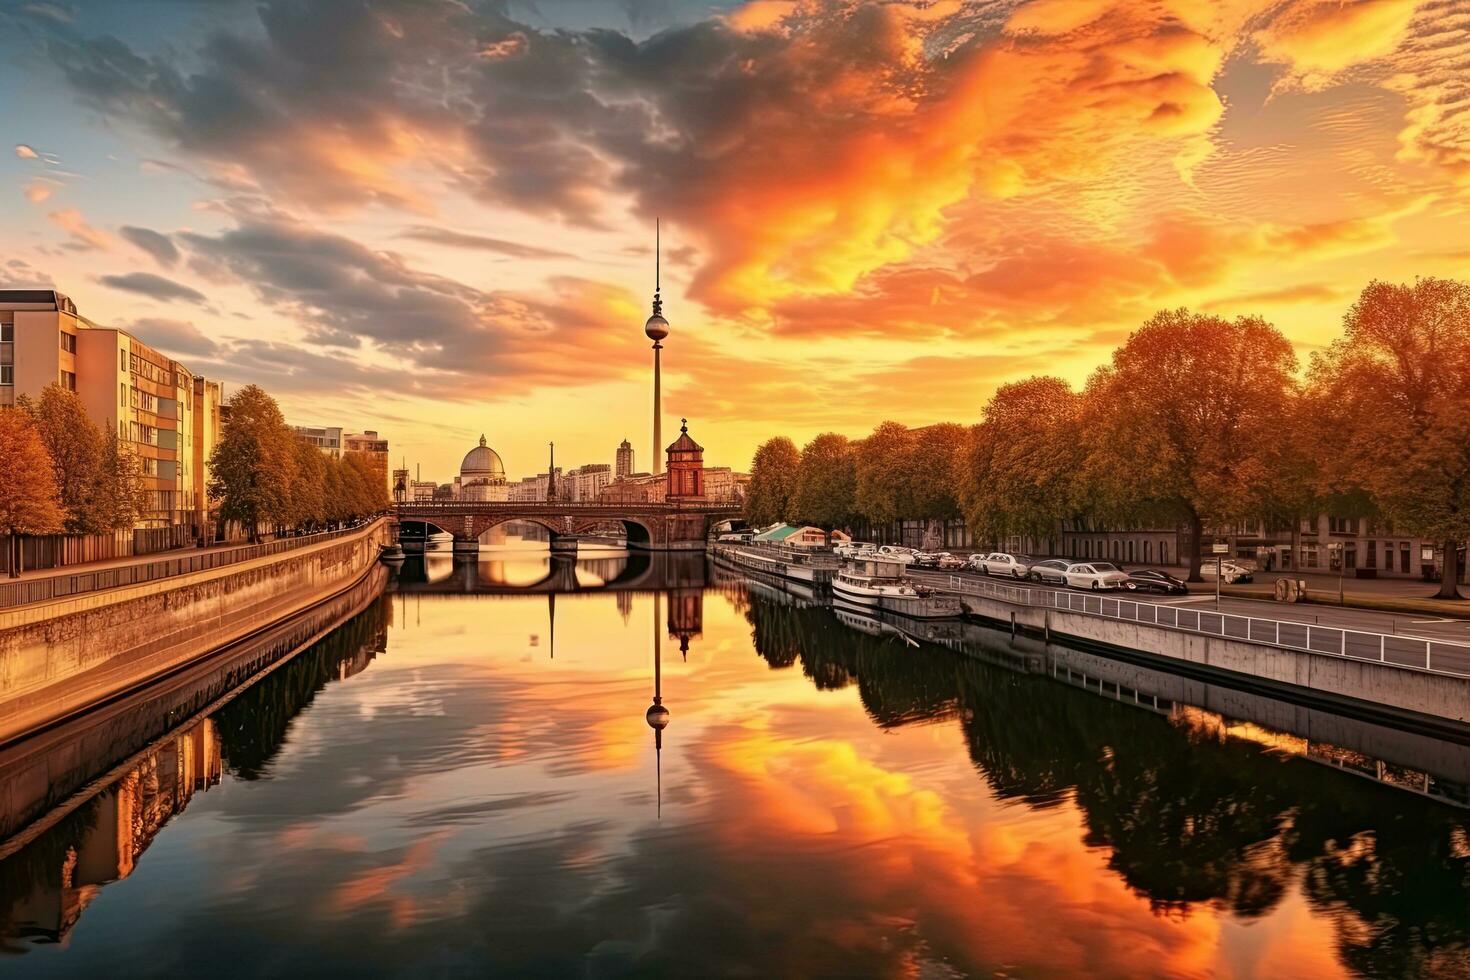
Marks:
<point>881,584</point>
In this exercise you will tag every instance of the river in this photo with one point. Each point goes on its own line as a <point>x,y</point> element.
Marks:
<point>461,780</point>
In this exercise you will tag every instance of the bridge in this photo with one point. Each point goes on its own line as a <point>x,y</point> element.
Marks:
<point>681,525</point>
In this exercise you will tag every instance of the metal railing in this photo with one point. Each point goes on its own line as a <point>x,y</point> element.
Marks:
<point>541,507</point>
<point>1394,649</point>
<point>62,586</point>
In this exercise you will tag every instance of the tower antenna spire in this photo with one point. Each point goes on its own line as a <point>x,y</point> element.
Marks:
<point>658,252</point>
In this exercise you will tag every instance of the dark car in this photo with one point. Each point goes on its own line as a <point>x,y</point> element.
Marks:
<point>1154,580</point>
<point>1053,570</point>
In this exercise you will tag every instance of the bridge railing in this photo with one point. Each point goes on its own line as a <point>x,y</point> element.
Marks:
<point>464,506</point>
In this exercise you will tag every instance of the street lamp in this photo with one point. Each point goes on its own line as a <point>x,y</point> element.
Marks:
<point>657,328</point>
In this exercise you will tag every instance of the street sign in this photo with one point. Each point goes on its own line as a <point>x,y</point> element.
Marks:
<point>1220,548</point>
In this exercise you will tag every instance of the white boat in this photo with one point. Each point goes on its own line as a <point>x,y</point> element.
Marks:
<point>439,541</point>
<point>880,584</point>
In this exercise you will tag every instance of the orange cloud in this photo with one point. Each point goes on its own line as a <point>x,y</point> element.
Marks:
<point>83,236</point>
<point>1318,39</point>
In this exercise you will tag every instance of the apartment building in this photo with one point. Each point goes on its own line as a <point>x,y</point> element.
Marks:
<point>326,438</point>
<point>147,397</point>
<point>372,447</point>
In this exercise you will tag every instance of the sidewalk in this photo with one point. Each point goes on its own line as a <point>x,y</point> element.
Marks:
<point>1406,595</point>
<point>69,580</point>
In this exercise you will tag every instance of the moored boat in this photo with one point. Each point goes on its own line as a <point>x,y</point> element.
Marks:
<point>881,584</point>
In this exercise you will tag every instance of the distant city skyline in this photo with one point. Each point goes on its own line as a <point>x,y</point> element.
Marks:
<point>439,223</point>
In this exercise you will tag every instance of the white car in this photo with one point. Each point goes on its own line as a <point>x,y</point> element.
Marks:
<point>1095,575</point>
<point>1230,572</point>
<point>1001,563</point>
<point>897,553</point>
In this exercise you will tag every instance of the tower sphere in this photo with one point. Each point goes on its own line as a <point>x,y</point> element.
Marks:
<point>657,717</point>
<point>657,327</point>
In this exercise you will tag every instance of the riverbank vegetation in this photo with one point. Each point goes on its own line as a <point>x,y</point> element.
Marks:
<point>1197,422</point>
<point>264,477</point>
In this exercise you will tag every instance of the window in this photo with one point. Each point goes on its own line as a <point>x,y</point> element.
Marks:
<point>68,380</point>
<point>1387,556</point>
<point>68,342</point>
<point>122,360</point>
<point>1163,553</point>
<point>1342,525</point>
<point>122,394</point>
<point>7,374</point>
<point>7,333</point>
<point>1148,552</point>
<point>1372,556</point>
<point>1404,557</point>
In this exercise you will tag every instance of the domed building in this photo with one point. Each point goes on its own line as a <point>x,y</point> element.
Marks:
<point>482,475</point>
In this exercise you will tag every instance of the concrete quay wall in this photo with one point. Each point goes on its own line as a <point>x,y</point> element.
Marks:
<point>1357,686</point>
<point>65,656</point>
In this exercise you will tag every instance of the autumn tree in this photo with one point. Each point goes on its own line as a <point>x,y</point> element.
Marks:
<point>308,490</point>
<point>254,462</point>
<point>882,479</point>
<point>367,492</point>
<point>1391,403</point>
<point>826,483</point>
<point>74,444</point>
<point>29,500</point>
<point>933,472</point>
<point>1021,468</point>
<point>773,477</point>
<point>1182,422</point>
<point>120,496</point>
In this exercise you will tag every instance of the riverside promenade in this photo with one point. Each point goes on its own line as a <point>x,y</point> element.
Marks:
<point>73,639</point>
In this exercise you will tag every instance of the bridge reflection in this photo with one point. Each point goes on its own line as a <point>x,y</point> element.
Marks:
<point>522,572</point>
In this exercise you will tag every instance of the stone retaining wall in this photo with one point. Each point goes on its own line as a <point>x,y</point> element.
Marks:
<point>60,657</point>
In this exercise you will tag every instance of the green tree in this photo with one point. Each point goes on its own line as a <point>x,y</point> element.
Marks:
<point>74,444</point>
<point>773,476</point>
<point>1022,465</point>
<point>254,462</point>
<point>1391,406</point>
<point>826,483</point>
<point>29,500</point>
<point>1185,418</point>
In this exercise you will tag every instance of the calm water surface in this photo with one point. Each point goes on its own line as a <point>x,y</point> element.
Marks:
<point>463,783</point>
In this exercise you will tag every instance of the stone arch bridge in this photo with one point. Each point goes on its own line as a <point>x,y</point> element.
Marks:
<point>676,526</point>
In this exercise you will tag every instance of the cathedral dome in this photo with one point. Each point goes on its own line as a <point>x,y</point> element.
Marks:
<point>481,463</point>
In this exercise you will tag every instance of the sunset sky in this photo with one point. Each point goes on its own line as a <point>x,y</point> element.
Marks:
<point>435,217</point>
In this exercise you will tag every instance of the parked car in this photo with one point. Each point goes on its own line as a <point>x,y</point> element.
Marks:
<point>1053,570</point>
<point>1230,572</point>
<point>1001,563</point>
<point>976,562</point>
<point>849,549</point>
<point>925,559</point>
<point>949,562</point>
<point>1095,575</point>
<point>1154,580</point>
<point>895,552</point>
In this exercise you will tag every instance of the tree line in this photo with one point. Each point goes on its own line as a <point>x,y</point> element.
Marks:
<point>64,473</point>
<point>263,476</point>
<point>1197,422</point>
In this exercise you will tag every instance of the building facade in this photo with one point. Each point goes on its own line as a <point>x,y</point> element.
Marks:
<point>370,446</point>
<point>623,463</point>
<point>324,437</point>
<point>124,385</point>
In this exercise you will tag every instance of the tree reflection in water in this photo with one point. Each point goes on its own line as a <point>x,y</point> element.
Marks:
<point>1187,818</point>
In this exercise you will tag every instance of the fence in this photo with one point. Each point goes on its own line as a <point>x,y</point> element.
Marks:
<point>1411,652</point>
<point>64,586</point>
<point>58,550</point>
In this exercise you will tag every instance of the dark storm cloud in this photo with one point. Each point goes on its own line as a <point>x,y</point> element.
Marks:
<point>155,287</point>
<point>160,246</point>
